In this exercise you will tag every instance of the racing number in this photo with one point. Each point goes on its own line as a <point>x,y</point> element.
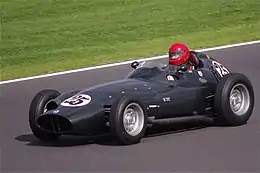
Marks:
<point>77,100</point>
<point>220,68</point>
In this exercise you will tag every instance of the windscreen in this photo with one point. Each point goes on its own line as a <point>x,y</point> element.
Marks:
<point>148,70</point>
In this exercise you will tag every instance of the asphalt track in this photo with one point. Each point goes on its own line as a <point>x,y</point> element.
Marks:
<point>205,149</point>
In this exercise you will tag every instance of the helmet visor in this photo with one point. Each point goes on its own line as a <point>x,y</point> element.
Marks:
<point>175,55</point>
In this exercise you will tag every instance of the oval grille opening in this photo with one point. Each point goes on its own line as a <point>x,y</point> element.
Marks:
<point>54,123</point>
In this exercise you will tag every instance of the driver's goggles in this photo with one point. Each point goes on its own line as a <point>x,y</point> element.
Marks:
<point>175,55</point>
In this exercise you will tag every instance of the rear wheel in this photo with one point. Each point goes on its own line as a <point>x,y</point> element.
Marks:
<point>234,99</point>
<point>128,121</point>
<point>37,107</point>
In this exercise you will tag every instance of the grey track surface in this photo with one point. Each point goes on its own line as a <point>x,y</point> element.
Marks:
<point>206,149</point>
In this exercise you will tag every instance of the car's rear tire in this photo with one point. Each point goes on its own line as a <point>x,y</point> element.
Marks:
<point>127,114</point>
<point>37,107</point>
<point>234,100</point>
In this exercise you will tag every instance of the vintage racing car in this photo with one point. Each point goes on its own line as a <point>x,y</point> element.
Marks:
<point>151,94</point>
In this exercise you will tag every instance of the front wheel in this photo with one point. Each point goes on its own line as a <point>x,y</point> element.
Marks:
<point>128,121</point>
<point>37,107</point>
<point>234,99</point>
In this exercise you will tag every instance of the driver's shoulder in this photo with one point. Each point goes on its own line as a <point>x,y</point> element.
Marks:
<point>200,55</point>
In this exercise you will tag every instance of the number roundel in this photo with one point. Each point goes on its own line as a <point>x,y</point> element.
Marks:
<point>220,68</point>
<point>77,100</point>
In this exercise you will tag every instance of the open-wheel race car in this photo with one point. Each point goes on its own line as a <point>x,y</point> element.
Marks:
<point>152,93</point>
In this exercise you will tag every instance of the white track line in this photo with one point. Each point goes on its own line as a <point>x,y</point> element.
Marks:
<point>122,63</point>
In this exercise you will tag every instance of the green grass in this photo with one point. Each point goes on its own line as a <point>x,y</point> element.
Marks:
<point>43,36</point>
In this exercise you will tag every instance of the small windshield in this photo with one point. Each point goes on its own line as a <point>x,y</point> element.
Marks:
<point>148,70</point>
<point>151,64</point>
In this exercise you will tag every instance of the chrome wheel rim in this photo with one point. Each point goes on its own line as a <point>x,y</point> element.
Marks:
<point>239,99</point>
<point>45,108</point>
<point>133,119</point>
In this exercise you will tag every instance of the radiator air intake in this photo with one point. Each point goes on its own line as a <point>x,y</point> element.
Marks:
<point>54,123</point>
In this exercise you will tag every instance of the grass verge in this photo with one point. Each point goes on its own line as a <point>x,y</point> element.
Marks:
<point>48,36</point>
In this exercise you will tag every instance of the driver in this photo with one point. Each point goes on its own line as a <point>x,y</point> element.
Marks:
<point>180,54</point>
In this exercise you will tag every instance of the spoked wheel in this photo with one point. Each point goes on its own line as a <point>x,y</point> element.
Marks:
<point>128,121</point>
<point>234,99</point>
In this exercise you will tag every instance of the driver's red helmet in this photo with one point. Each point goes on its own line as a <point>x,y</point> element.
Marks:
<point>179,54</point>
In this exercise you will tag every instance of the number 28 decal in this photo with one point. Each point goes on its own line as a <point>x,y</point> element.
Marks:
<point>220,68</point>
<point>77,100</point>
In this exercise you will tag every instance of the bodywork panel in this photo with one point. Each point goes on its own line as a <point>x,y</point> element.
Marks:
<point>86,111</point>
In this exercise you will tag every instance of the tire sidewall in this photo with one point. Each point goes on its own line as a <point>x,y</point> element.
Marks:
<point>36,109</point>
<point>222,103</point>
<point>116,120</point>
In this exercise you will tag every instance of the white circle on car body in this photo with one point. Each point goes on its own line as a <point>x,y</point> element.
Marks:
<point>169,77</point>
<point>200,73</point>
<point>77,100</point>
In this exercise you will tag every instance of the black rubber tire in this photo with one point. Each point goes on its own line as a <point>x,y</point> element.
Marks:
<point>116,122</point>
<point>36,109</point>
<point>221,101</point>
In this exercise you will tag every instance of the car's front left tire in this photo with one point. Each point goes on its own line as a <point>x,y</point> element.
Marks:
<point>37,107</point>
<point>128,120</point>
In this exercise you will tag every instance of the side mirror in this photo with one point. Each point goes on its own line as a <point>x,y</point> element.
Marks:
<point>135,64</point>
